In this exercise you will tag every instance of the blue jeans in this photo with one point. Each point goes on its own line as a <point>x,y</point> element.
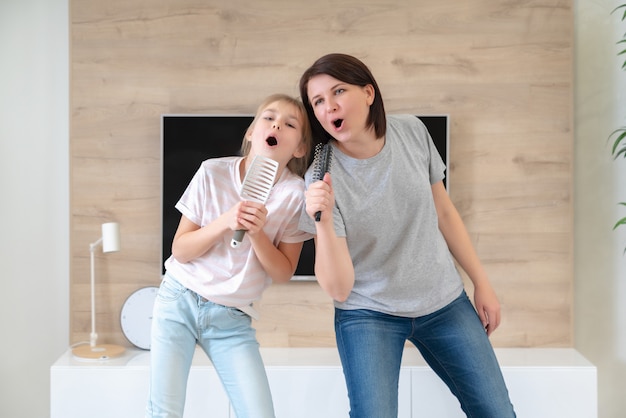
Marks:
<point>452,341</point>
<point>181,319</point>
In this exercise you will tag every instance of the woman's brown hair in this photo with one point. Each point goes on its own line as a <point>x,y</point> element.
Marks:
<point>347,69</point>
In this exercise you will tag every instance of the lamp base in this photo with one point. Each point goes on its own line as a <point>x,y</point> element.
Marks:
<point>99,352</point>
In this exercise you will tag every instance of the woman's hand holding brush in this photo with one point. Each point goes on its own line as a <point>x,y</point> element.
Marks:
<point>320,198</point>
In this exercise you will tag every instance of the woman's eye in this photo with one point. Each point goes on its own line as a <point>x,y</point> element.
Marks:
<point>339,91</point>
<point>318,101</point>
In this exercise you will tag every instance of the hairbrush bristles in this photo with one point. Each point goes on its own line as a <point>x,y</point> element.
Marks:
<point>321,165</point>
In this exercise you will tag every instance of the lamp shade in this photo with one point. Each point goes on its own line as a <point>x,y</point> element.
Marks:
<point>110,237</point>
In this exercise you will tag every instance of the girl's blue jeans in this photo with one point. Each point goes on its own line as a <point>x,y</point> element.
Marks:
<point>183,319</point>
<point>452,341</point>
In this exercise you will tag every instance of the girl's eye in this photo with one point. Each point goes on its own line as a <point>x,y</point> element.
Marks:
<point>291,125</point>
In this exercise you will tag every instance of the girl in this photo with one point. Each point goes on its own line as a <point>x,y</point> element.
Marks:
<point>207,292</point>
<point>385,246</point>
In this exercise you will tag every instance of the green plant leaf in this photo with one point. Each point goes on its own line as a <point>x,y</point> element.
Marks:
<point>618,140</point>
<point>619,7</point>
<point>619,147</point>
<point>620,222</point>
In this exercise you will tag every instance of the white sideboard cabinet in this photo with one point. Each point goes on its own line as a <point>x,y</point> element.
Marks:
<point>309,383</point>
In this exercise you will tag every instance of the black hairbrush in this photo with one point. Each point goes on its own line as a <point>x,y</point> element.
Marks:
<point>321,166</point>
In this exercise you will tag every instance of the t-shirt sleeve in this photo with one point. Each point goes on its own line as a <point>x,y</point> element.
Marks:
<point>191,202</point>
<point>305,223</point>
<point>292,232</point>
<point>436,166</point>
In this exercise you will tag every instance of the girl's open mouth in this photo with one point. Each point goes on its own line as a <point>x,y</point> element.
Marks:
<point>271,141</point>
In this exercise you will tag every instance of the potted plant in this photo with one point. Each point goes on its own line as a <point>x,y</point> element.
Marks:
<point>618,136</point>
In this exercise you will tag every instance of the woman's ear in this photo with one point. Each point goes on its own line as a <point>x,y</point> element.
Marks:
<point>370,94</point>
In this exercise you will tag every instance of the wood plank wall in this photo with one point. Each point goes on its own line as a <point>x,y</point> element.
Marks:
<point>502,70</point>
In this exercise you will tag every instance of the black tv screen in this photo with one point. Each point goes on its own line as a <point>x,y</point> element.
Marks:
<point>187,140</point>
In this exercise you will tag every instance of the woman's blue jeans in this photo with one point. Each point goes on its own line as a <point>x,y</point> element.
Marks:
<point>452,341</point>
<point>181,319</point>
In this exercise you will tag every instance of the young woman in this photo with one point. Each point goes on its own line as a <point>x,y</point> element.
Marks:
<point>385,249</point>
<point>207,293</point>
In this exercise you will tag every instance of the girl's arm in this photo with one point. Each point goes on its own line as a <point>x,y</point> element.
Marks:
<point>192,241</point>
<point>460,245</point>
<point>279,262</point>
<point>333,265</point>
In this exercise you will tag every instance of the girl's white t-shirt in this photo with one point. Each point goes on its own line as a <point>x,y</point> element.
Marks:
<point>234,276</point>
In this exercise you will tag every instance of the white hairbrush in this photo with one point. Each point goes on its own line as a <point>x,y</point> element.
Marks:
<point>256,187</point>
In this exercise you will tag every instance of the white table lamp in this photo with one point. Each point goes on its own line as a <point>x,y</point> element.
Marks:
<point>110,241</point>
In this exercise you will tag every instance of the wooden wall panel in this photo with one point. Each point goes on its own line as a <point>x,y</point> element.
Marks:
<point>501,70</point>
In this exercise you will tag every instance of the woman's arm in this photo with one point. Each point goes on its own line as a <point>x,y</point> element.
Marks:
<point>333,265</point>
<point>460,245</point>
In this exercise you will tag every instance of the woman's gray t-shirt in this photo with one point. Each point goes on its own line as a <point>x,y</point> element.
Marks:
<point>385,209</point>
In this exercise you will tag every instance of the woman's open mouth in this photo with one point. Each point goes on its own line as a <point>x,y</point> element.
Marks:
<point>338,123</point>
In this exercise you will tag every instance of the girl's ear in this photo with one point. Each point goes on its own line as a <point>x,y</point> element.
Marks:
<point>301,151</point>
<point>248,135</point>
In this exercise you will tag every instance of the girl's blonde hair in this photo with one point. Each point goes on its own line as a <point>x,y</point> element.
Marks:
<point>296,165</point>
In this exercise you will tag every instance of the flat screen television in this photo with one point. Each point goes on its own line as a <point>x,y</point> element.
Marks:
<point>187,140</point>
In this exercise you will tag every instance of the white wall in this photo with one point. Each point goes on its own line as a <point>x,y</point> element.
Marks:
<point>34,207</point>
<point>600,267</point>
<point>34,201</point>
